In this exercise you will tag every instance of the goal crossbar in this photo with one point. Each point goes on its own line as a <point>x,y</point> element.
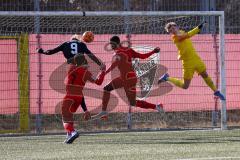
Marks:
<point>110,13</point>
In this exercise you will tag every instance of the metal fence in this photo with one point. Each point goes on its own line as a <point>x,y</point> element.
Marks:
<point>231,7</point>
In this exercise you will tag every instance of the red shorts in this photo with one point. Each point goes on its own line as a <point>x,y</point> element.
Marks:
<point>70,105</point>
<point>129,85</point>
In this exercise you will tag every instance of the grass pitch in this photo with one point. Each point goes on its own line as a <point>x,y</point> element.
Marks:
<point>171,145</point>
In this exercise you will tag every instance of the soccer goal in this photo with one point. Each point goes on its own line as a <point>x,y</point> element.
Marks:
<point>33,85</point>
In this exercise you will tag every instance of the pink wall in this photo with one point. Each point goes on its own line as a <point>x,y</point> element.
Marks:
<point>197,97</point>
<point>8,77</point>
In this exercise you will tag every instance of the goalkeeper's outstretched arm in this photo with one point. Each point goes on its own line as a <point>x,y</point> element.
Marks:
<point>197,29</point>
<point>177,36</point>
<point>189,34</point>
<point>146,55</point>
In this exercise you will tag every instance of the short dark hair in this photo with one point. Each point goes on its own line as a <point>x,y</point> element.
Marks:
<point>115,39</point>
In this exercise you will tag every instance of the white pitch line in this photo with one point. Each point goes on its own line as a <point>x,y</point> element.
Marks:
<point>210,158</point>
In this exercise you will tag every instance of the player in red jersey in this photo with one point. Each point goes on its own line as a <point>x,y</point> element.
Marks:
<point>78,75</point>
<point>127,79</point>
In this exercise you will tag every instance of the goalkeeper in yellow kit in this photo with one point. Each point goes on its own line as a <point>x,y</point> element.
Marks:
<point>190,59</point>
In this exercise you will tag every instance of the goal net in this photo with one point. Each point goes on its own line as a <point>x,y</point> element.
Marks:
<point>33,85</point>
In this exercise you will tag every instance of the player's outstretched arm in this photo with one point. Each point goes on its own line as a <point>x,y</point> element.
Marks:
<point>194,31</point>
<point>197,29</point>
<point>50,51</point>
<point>183,36</point>
<point>94,58</point>
<point>116,60</point>
<point>144,56</point>
<point>99,79</point>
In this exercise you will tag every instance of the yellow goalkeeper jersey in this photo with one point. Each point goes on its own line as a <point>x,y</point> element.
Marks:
<point>185,47</point>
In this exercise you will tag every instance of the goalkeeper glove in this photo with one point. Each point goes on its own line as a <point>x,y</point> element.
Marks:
<point>40,50</point>
<point>200,26</point>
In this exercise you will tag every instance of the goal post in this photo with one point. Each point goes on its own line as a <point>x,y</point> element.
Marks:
<point>146,29</point>
<point>24,82</point>
<point>222,71</point>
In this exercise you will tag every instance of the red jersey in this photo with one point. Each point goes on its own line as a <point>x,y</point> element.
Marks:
<point>77,78</point>
<point>123,60</point>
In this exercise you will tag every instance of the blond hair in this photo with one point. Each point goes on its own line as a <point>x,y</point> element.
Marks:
<point>169,25</point>
<point>75,36</point>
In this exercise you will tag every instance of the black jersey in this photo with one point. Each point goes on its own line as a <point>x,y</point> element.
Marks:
<point>71,48</point>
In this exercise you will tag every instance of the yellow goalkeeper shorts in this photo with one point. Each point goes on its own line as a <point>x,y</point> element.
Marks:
<point>192,66</point>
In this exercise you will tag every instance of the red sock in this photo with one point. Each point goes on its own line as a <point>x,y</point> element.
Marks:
<point>68,127</point>
<point>145,105</point>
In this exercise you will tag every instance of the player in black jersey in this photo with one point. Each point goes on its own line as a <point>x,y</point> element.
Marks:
<point>71,48</point>
<point>78,74</point>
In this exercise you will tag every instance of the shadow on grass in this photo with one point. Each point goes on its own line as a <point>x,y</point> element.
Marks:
<point>197,140</point>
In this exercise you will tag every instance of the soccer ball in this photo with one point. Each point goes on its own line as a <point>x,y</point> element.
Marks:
<point>88,36</point>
